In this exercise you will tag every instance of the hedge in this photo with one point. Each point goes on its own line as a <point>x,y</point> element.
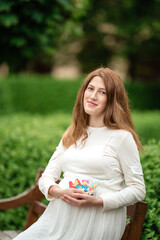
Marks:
<point>36,94</point>
<point>27,142</point>
<point>143,96</point>
<point>151,167</point>
<point>43,94</point>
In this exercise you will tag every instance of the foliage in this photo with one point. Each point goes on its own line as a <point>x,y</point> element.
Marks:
<point>26,144</point>
<point>24,150</point>
<point>37,94</point>
<point>151,166</point>
<point>127,28</point>
<point>32,30</point>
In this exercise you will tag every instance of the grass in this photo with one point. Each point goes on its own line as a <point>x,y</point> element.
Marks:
<point>147,125</point>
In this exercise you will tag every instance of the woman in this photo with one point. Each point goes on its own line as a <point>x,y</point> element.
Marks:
<point>100,145</point>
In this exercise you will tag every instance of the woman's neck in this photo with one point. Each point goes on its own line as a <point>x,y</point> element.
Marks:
<point>95,122</point>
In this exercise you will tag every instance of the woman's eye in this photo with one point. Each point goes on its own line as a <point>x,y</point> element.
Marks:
<point>103,92</point>
<point>90,88</point>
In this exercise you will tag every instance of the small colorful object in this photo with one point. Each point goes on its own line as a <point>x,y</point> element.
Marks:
<point>85,186</point>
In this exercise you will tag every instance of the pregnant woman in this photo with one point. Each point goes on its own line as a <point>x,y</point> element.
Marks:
<point>99,146</point>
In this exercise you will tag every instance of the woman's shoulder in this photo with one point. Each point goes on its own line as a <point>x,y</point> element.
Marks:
<point>118,136</point>
<point>61,147</point>
<point>123,132</point>
<point>120,133</point>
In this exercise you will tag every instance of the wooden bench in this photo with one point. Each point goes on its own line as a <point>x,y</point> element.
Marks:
<point>33,197</point>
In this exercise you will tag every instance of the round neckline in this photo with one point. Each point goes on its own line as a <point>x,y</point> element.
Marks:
<point>95,129</point>
<point>89,127</point>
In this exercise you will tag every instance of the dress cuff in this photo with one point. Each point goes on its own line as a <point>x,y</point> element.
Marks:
<point>109,201</point>
<point>44,187</point>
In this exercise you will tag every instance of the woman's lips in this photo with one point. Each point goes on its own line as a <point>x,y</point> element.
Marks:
<point>91,103</point>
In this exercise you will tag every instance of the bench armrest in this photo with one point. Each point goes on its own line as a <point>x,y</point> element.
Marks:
<point>27,197</point>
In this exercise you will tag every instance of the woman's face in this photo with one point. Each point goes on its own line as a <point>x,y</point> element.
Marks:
<point>95,97</point>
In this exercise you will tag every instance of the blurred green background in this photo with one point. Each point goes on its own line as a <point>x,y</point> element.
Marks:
<point>46,50</point>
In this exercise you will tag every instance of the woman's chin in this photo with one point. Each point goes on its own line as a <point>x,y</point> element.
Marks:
<point>89,112</point>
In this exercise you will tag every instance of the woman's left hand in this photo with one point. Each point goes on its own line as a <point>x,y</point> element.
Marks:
<point>82,200</point>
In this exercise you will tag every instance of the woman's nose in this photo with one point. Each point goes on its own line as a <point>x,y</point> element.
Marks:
<point>94,95</point>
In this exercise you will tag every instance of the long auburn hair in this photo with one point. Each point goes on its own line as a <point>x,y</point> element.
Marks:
<point>117,112</point>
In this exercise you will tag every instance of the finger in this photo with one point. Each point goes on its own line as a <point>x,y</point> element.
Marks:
<point>73,201</point>
<point>65,199</point>
<point>79,191</point>
<point>80,196</point>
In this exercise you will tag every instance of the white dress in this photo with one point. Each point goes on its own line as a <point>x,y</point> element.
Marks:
<point>109,157</point>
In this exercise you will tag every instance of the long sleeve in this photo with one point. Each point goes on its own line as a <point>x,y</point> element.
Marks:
<point>134,191</point>
<point>52,172</point>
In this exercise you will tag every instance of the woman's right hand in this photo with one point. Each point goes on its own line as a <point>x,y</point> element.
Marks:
<point>57,192</point>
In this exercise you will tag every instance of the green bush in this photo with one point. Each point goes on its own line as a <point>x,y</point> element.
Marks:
<point>43,94</point>
<point>26,144</point>
<point>151,167</point>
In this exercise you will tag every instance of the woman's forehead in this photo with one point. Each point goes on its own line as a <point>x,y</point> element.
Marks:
<point>97,82</point>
